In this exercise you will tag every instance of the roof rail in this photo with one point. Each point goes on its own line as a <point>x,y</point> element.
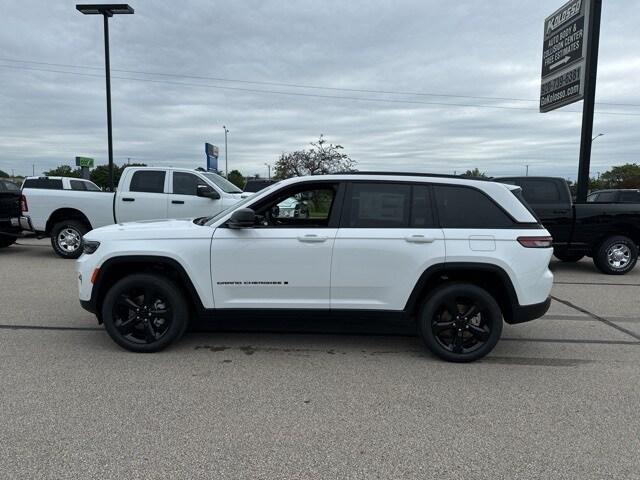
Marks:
<point>414,174</point>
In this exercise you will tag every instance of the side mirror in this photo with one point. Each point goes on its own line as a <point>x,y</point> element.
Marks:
<point>242,218</point>
<point>208,192</point>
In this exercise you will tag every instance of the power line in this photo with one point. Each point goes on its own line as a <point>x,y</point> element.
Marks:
<point>311,95</point>
<point>295,85</point>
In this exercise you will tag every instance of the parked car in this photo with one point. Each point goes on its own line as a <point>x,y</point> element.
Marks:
<point>67,208</point>
<point>456,255</point>
<point>607,232</point>
<point>10,213</point>
<point>626,195</point>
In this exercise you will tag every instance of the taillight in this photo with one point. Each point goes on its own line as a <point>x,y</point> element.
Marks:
<point>23,204</point>
<point>535,242</point>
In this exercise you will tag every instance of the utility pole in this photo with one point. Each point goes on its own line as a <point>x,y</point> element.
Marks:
<point>226,155</point>
<point>591,71</point>
<point>527,174</point>
<point>33,168</point>
<point>268,171</point>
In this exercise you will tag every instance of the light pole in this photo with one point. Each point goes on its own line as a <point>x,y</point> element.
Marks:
<point>107,10</point>
<point>527,174</point>
<point>268,171</point>
<point>226,156</point>
<point>598,135</point>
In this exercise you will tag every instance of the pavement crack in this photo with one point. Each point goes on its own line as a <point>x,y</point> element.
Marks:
<point>597,317</point>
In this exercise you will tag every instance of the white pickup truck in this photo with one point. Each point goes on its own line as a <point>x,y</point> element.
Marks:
<point>67,208</point>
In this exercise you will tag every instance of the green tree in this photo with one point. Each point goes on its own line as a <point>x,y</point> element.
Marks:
<point>321,159</point>
<point>236,178</point>
<point>100,174</point>
<point>476,173</point>
<point>622,176</point>
<point>3,174</point>
<point>63,171</point>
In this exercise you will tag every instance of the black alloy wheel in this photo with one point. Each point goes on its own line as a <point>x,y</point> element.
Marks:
<point>461,322</point>
<point>145,313</point>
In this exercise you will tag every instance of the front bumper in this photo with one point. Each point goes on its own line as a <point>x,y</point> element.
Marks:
<point>526,313</point>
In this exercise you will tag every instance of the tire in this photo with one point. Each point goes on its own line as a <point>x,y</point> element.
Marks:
<point>6,240</point>
<point>477,333</point>
<point>135,295</point>
<point>66,238</point>
<point>565,256</point>
<point>616,255</point>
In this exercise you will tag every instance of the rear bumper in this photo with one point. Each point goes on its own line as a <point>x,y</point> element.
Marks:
<point>526,313</point>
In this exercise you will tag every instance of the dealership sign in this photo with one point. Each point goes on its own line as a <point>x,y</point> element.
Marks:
<point>211,152</point>
<point>563,55</point>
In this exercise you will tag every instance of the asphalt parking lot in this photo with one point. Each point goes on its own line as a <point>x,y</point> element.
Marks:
<point>557,398</point>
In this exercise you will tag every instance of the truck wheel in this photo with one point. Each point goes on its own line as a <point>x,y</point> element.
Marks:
<point>6,241</point>
<point>460,322</point>
<point>564,256</point>
<point>616,255</point>
<point>145,313</point>
<point>66,238</point>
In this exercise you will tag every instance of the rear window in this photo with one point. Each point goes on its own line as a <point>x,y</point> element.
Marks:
<point>149,181</point>
<point>537,191</point>
<point>44,183</point>
<point>630,197</point>
<point>466,207</point>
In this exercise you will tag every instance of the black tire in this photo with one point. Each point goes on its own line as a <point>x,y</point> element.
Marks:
<point>140,294</point>
<point>616,255</point>
<point>565,256</point>
<point>469,332</point>
<point>66,238</point>
<point>6,241</point>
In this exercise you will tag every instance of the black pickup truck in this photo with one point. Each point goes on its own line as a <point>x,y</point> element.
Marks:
<point>607,232</point>
<point>9,212</point>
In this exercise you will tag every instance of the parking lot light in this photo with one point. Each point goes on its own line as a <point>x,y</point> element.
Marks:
<point>107,10</point>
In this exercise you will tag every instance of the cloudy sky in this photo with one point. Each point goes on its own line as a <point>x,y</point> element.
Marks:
<point>438,86</point>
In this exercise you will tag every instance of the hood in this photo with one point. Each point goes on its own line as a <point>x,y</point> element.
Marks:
<point>152,230</point>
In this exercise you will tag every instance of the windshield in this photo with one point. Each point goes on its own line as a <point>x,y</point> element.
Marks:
<point>222,183</point>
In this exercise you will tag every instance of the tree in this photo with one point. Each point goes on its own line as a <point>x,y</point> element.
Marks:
<point>100,174</point>
<point>622,176</point>
<point>4,174</point>
<point>321,159</point>
<point>63,171</point>
<point>236,178</point>
<point>475,173</point>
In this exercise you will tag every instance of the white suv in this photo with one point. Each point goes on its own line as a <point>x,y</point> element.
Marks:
<point>456,255</point>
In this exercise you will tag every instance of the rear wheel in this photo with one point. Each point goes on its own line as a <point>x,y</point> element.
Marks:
<point>565,256</point>
<point>145,313</point>
<point>66,238</point>
<point>460,322</point>
<point>6,241</point>
<point>616,255</point>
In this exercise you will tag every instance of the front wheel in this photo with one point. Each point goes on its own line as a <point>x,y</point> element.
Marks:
<point>66,238</point>
<point>616,256</point>
<point>460,322</point>
<point>145,313</point>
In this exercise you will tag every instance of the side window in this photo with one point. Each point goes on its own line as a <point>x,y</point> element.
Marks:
<point>421,208</point>
<point>607,197</point>
<point>77,185</point>
<point>593,198</point>
<point>464,207</point>
<point>150,181</point>
<point>630,197</point>
<point>92,187</point>
<point>186,183</point>
<point>378,205</point>
<point>306,207</point>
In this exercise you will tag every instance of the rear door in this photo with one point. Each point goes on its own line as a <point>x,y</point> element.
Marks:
<point>145,198</point>
<point>184,201</point>
<point>387,238</point>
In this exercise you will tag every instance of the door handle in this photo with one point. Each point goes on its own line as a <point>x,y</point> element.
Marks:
<point>128,199</point>
<point>419,239</point>
<point>311,238</point>
<point>177,202</point>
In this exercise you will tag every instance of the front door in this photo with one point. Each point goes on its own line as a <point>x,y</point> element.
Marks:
<point>284,261</point>
<point>184,201</point>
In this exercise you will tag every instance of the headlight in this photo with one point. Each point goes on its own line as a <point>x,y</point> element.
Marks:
<point>89,246</point>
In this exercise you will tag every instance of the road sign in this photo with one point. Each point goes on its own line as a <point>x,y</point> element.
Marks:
<point>84,162</point>
<point>563,55</point>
